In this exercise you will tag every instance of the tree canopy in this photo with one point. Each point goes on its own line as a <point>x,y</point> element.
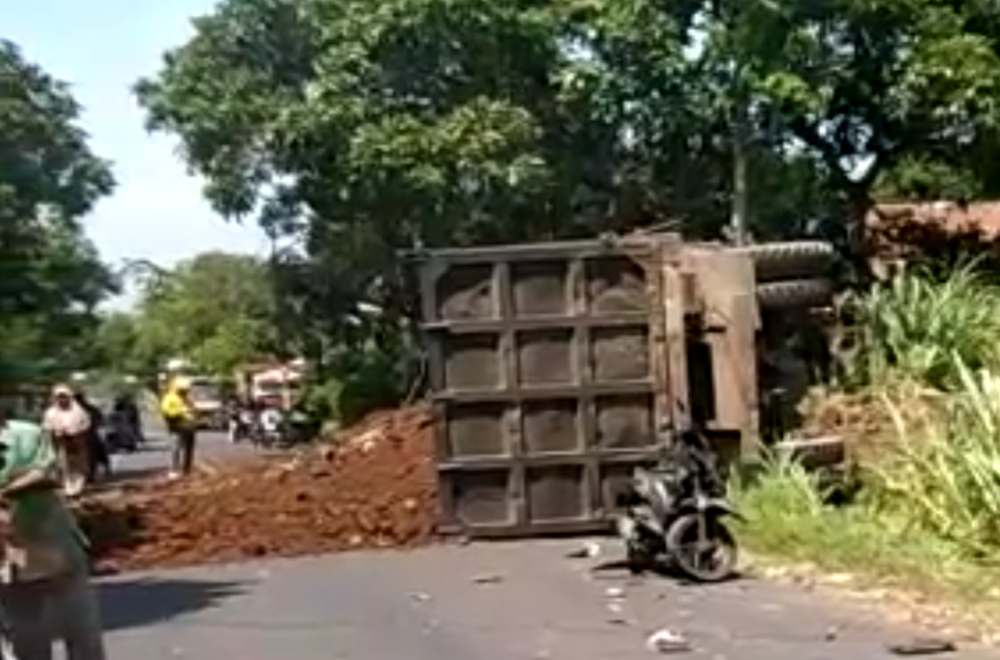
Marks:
<point>214,310</point>
<point>872,86</point>
<point>355,128</point>
<point>51,277</point>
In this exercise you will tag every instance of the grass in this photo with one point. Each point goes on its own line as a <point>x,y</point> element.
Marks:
<point>914,327</point>
<point>927,518</point>
<point>944,476</point>
<point>786,520</point>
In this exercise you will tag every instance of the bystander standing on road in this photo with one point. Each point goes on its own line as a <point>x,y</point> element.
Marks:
<point>45,590</point>
<point>100,458</point>
<point>179,415</point>
<point>69,426</point>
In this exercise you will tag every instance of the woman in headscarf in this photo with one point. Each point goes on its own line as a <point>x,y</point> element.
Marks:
<point>69,424</point>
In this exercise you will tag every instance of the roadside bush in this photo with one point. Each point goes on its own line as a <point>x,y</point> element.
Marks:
<point>786,516</point>
<point>925,373</point>
<point>782,505</point>
<point>944,474</point>
<point>321,400</point>
<point>915,325</point>
<point>371,380</point>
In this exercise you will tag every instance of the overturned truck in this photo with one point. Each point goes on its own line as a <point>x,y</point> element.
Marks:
<point>556,368</point>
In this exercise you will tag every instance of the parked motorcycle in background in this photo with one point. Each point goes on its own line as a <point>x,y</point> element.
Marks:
<point>121,435</point>
<point>241,423</point>
<point>122,430</point>
<point>272,427</point>
<point>674,514</point>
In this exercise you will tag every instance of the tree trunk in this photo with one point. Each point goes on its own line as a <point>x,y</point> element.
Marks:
<point>860,205</point>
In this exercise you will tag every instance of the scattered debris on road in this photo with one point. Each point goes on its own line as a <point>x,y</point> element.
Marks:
<point>488,578</point>
<point>923,646</point>
<point>380,492</point>
<point>589,550</point>
<point>616,606</point>
<point>667,641</point>
<point>614,592</point>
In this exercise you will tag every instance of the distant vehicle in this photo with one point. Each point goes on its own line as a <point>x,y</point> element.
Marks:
<point>271,385</point>
<point>207,399</point>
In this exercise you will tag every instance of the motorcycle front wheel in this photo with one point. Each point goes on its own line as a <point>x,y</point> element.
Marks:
<point>702,547</point>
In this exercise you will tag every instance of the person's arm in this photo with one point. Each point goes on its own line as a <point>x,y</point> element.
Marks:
<point>49,420</point>
<point>40,469</point>
<point>33,479</point>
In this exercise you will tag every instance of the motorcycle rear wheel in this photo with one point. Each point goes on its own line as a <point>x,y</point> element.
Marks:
<point>702,552</point>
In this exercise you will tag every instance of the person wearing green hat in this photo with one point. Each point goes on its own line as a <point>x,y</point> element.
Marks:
<point>45,590</point>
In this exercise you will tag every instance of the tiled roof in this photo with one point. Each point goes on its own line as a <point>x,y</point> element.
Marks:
<point>957,217</point>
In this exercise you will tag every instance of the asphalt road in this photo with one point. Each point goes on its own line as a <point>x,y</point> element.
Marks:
<point>480,602</point>
<point>498,601</point>
<point>153,458</point>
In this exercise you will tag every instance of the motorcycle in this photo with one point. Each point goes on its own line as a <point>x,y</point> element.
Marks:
<point>674,515</point>
<point>241,426</point>
<point>121,435</point>
<point>268,429</point>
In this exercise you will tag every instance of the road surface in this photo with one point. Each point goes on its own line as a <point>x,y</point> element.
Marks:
<point>500,601</point>
<point>154,457</point>
<point>506,601</point>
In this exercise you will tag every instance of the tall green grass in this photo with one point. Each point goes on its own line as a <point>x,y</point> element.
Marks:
<point>786,518</point>
<point>944,476</point>
<point>914,326</point>
<point>929,510</point>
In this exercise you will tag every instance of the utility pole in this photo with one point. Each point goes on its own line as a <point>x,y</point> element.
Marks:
<point>729,14</point>
<point>739,210</point>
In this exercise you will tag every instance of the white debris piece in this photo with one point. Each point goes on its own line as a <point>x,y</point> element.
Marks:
<point>588,550</point>
<point>667,641</point>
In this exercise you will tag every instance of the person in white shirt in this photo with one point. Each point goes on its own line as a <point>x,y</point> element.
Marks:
<point>68,424</point>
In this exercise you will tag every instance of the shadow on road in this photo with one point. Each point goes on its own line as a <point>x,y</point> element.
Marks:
<point>131,603</point>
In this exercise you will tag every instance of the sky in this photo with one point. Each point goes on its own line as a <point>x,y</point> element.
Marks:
<point>101,47</point>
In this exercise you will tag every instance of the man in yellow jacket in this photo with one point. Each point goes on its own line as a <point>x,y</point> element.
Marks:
<point>179,414</point>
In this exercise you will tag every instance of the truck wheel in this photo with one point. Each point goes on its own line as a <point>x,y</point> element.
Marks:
<point>776,261</point>
<point>795,293</point>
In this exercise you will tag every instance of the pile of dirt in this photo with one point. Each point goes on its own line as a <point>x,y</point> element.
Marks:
<point>372,486</point>
<point>869,421</point>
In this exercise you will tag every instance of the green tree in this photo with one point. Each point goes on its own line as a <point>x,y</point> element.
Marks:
<point>870,88</point>
<point>358,128</point>
<point>116,344</point>
<point>215,310</point>
<point>51,277</point>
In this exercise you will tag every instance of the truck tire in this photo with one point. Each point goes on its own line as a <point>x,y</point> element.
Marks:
<point>795,293</point>
<point>776,261</point>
